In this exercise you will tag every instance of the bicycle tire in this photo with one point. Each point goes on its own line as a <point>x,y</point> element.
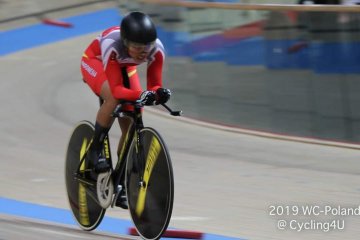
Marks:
<point>86,211</point>
<point>150,206</point>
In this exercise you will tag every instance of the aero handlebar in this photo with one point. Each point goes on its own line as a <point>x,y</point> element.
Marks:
<point>139,104</point>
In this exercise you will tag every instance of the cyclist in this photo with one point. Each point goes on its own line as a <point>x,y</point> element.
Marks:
<point>108,66</point>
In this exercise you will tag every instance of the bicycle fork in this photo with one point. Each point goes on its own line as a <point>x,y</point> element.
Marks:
<point>140,158</point>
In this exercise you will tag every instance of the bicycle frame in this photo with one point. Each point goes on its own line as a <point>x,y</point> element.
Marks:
<point>142,175</point>
<point>133,132</point>
<point>118,173</point>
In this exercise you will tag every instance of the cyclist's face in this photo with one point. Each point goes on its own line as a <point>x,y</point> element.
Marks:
<point>139,51</point>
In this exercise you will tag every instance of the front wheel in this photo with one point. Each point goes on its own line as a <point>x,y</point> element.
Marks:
<point>150,188</point>
<point>84,207</point>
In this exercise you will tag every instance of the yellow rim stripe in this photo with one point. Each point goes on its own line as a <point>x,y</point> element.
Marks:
<point>83,209</point>
<point>150,163</point>
<point>85,56</point>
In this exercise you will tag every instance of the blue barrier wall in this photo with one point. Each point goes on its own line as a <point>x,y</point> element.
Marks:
<point>294,73</point>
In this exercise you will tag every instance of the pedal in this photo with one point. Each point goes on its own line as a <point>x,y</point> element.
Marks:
<point>118,191</point>
<point>104,189</point>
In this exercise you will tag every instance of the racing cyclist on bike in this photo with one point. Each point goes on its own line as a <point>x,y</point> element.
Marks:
<point>108,66</point>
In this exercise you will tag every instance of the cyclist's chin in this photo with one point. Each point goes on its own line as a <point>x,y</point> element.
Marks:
<point>140,58</point>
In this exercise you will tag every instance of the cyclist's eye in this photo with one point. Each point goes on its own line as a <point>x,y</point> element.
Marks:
<point>139,48</point>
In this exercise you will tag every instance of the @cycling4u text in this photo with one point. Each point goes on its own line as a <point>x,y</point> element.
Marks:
<point>312,217</point>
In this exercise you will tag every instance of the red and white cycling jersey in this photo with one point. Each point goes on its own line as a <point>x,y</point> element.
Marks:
<point>110,51</point>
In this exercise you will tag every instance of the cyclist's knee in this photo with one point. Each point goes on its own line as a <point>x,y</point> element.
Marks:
<point>107,96</point>
<point>111,102</point>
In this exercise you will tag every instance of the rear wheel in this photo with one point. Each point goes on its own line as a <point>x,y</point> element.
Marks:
<point>82,199</point>
<point>151,200</point>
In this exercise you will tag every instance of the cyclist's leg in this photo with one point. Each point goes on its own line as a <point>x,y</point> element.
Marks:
<point>104,114</point>
<point>95,77</point>
<point>125,124</point>
<point>103,124</point>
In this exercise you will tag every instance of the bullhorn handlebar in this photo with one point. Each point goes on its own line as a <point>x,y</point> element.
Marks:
<point>137,104</point>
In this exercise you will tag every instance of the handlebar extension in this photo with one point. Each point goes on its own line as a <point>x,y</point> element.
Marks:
<point>173,113</point>
<point>117,112</point>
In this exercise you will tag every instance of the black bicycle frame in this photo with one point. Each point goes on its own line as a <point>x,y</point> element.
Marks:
<point>118,174</point>
<point>134,131</point>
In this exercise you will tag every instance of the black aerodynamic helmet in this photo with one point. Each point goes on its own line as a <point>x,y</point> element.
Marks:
<point>137,27</point>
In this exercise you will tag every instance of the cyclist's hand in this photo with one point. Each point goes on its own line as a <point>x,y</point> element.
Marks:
<point>162,95</point>
<point>148,98</point>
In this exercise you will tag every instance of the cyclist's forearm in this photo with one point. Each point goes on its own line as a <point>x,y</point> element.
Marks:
<point>119,92</point>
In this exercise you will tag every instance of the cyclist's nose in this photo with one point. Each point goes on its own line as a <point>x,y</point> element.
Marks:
<point>142,54</point>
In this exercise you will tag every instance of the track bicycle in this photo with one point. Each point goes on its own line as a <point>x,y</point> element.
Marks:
<point>143,170</point>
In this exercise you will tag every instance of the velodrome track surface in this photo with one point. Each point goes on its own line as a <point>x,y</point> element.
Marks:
<point>225,182</point>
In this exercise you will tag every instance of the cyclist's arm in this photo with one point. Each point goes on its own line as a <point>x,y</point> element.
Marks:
<point>115,79</point>
<point>154,71</point>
